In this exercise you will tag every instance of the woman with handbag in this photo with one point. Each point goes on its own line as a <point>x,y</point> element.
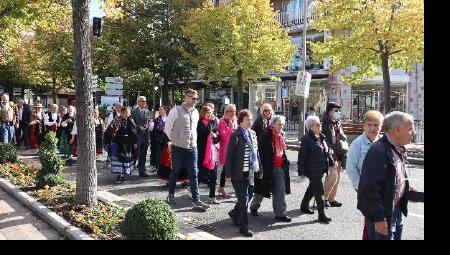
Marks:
<point>314,159</point>
<point>275,164</point>
<point>207,152</point>
<point>122,136</point>
<point>227,125</point>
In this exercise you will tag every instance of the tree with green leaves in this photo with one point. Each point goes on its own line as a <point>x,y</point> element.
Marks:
<point>241,41</point>
<point>367,34</point>
<point>147,34</point>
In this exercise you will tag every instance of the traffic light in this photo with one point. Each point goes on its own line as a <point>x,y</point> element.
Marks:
<point>97,26</point>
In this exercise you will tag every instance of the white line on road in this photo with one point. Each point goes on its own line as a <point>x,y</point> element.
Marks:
<point>416,215</point>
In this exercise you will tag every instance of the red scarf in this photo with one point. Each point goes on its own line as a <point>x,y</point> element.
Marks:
<point>279,146</point>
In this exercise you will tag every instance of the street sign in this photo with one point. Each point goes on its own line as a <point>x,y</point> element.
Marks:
<point>114,92</point>
<point>118,86</point>
<point>302,85</point>
<point>114,80</point>
<point>284,92</point>
<point>17,91</point>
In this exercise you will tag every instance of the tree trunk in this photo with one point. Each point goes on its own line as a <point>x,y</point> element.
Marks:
<point>54,89</point>
<point>86,168</point>
<point>386,82</point>
<point>240,88</point>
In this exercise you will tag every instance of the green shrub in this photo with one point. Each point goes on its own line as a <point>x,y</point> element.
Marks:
<point>151,219</point>
<point>52,164</point>
<point>8,154</point>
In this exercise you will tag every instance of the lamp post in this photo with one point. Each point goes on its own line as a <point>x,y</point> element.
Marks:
<point>301,128</point>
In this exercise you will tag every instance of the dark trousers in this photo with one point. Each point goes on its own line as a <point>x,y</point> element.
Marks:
<point>244,193</point>
<point>315,189</point>
<point>142,152</point>
<point>212,181</point>
<point>222,178</point>
<point>22,133</point>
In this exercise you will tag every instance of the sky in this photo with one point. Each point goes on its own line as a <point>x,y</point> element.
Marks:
<point>95,9</point>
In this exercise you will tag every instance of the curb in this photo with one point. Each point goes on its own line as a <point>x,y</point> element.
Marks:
<point>185,230</point>
<point>50,217</point>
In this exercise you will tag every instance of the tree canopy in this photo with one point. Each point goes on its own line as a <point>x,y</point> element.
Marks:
<point>242,41</point>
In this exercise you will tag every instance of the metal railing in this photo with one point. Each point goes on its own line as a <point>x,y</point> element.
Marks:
<point>293,18</point>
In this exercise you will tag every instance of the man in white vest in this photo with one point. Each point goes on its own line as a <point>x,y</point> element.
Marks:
<point>181,129</point>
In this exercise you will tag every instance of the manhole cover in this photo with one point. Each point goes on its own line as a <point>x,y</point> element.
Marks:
<point>198,224</point>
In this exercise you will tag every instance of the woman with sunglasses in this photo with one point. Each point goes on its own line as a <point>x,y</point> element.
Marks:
<point>261,124</point>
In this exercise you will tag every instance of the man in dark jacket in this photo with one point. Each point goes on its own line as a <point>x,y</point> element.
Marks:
<point>384,187</point>
<point>23,114</point>
<point>335,139</point>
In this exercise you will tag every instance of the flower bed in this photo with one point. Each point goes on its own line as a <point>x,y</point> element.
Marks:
<point>101,222</point>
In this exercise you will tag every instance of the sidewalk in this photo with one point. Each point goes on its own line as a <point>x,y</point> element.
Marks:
<point>19,223</point>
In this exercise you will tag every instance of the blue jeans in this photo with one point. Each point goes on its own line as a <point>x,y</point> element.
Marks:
<point>395,229</point>
<point>184,157</point>
<point>6,133</point>
<point>244,193</point>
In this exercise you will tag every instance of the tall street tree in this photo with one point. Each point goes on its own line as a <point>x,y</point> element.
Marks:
<point>86,167</point>
<point>242,41</point>
<point>149,35</point>
<point>367,34</point>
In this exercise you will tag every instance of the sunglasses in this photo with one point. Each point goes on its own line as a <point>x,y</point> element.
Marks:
<point>267,110</point>
<point>195,98</point>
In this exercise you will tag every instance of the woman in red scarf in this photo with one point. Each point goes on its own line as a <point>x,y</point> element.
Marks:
<point>275,167</point>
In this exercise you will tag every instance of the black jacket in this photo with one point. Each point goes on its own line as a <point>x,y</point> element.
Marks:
<point>264,186</point>
<point>234,163</point>
<point>376,189</point>
<point>327,127</point>
<point>313,161</point>
<point>258,127</point>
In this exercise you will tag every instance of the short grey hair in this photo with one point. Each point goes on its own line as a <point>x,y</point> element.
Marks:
<point>396,118</point>
<point>274,120</point>
<point>310,121</point>
<point>139,98</point>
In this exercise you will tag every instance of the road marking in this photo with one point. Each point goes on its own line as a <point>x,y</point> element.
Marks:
<point>416,215</point>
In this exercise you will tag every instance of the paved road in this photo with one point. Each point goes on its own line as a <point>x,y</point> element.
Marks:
<point>347,221</point>
<point>19,223</point>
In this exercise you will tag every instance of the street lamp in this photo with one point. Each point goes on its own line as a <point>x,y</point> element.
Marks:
<point>154,101</point>
<point>301,128</point>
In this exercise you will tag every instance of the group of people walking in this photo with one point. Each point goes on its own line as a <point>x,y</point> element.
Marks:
<point>251,155</point>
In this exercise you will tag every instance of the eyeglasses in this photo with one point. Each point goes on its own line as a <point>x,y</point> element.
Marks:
<point>195,98</point>
<point>267,110</point>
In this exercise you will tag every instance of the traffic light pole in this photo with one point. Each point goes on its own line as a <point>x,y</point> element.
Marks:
<point>301,128</point>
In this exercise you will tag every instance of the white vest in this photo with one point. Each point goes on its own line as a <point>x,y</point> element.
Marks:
<point>184,132</point>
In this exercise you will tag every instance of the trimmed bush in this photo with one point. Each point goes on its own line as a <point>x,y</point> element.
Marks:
<point>8,154</point>
<point>151,219</point>
<point>52,164</point>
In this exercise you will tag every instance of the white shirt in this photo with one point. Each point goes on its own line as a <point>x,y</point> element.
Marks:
<point>20,113</point>
<point>74,129</point>
<point>170,121</point>
<point>111,118</point>
<point>54,117</point>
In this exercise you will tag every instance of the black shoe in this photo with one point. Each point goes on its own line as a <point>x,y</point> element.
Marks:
<point>306,210</point>
<point>254,212</point>
<point>283,219</point>
<point>233,218</point>
<point>335,204</point>
<point>246,232</point>
<point>323,218</point>
<point>326,204</point>
<point>144,175</point>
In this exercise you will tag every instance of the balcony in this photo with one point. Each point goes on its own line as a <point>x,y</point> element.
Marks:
<point>293,19</point>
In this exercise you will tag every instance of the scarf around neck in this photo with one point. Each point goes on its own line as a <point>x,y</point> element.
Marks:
<point>279,145</point>
<point>254,166</point>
